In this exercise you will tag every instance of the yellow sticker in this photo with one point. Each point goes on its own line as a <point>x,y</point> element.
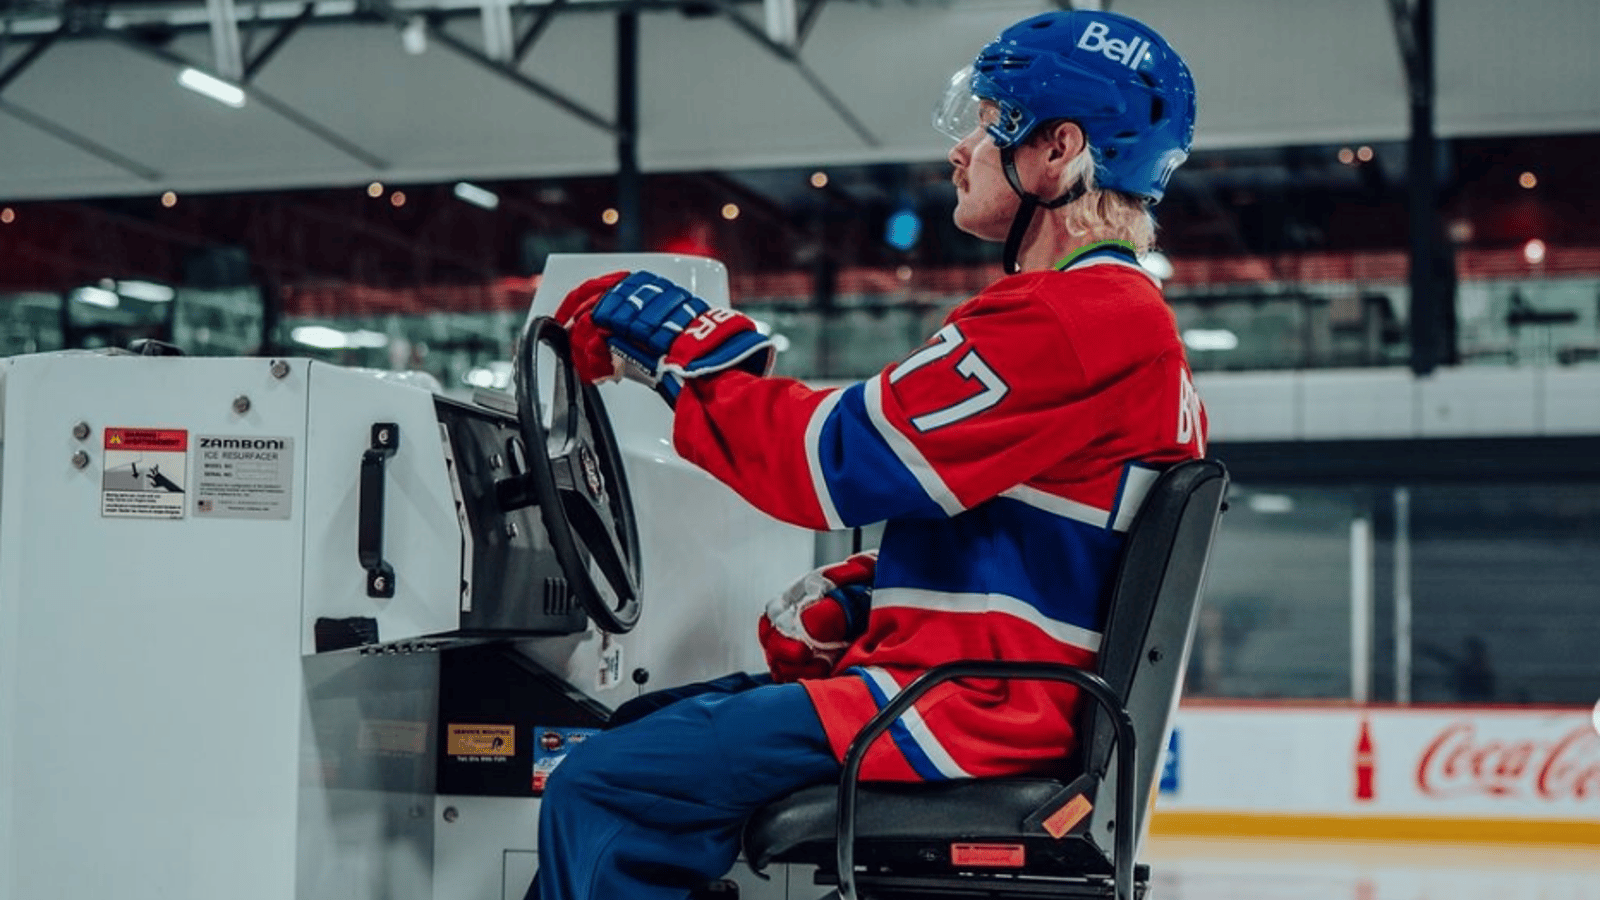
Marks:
<point>481,740</point>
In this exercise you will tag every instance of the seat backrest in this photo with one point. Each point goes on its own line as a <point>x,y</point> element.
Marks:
<point>1145,645</point>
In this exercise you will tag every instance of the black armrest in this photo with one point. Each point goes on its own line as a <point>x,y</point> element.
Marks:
<point>1094,685</point>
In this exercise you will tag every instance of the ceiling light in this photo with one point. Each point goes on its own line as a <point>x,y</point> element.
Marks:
<point>7,216</point>
<point>730,211</point>
<point>366,340</point>
<point>320,336</point>
<point>215,88</point>
<point>477,196</point>
<point>375,189</point>
<point>1210,339</point>
<point>1528,180</point>
<point>169,199</point>
<point>95,296</point>
<point>1533,251</point>
<point>148,291</point>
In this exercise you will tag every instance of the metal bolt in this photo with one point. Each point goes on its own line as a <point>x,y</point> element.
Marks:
<point>241,404</point>
<point>384,437</point>
<point>1156,654</point>
<point>81,431</point>
<point>451,814</point>
<point>495,461</point>
<point>279,369</point>
<point>80,459</point>
<point>512,530</point>
<point>380,583</point>
<point>641,675</point>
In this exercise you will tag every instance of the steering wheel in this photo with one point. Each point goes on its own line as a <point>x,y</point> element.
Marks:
<point>575,473</point>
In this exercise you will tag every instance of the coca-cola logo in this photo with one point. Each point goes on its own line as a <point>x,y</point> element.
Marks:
<point>1459,763</point>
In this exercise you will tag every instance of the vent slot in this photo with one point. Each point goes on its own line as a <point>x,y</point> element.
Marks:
<point>557,597</point>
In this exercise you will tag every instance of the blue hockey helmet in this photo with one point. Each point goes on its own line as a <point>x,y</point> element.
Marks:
<point>1119,80</point>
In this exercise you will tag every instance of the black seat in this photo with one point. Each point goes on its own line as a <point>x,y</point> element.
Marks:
<point>1073,836</point>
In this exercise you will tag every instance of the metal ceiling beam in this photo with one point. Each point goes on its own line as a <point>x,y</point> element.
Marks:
<point>225,39</point>
<point>34,51</point>
<point>792,57</point>
<point>279,38</point>
<point>305,123</point>
<point>536,27</point>
<point>87,145</point>
<point>387,12</point>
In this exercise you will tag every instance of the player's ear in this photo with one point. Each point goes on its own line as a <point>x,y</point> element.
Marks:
<point>1064,142</point>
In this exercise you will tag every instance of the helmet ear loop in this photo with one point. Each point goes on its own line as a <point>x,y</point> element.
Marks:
<point>1029,205</point>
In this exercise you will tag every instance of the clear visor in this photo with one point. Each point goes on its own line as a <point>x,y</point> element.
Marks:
<point>959,113</point>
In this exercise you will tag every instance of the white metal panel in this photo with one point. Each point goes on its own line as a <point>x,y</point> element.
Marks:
<point>421,534</point>
<point>149,683</point>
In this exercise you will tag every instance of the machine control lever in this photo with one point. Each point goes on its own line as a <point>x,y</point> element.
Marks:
<point>369,527</point>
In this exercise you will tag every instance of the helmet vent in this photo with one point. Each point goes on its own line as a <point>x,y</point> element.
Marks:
<point>1158,110</point>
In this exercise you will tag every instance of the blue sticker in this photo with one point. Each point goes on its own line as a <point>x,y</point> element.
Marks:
<point>1169,765</point>
<point>550,746</point>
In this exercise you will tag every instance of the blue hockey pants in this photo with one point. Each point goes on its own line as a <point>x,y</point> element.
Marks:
<point>653,808</point>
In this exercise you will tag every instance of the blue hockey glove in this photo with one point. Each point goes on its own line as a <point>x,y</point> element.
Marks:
<point>663,334</point>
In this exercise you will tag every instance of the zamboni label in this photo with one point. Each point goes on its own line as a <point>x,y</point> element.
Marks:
<point>481,742</point>
<point>994,856</point>
<point>239,477</point>
<point>144,473</point>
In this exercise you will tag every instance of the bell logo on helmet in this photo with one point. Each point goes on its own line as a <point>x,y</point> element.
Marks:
<point>1129,53</point>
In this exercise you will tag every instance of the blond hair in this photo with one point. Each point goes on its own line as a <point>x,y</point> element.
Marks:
<point>1102,215</point>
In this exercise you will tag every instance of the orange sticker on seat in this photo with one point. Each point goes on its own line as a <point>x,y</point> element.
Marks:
<point>994,856</point>
<point>1067,817</point>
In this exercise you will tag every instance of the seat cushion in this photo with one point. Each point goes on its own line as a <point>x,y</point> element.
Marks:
<point>800,827</point>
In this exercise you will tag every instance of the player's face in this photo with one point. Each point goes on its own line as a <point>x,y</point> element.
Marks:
<point>985,202</point>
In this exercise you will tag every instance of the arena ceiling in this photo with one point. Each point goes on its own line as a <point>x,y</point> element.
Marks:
<point>341,92</point>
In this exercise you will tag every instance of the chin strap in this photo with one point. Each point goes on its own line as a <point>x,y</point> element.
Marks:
<point>1030,203</point>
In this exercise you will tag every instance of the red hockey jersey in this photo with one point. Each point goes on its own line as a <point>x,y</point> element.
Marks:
<point>1007,456</point>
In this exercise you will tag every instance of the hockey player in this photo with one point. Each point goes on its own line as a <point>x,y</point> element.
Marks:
<point>1007,456</point>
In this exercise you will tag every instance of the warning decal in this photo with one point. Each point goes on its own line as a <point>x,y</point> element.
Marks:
<point>145,469</point>
<point>482,743</point>
<point>243,477</point>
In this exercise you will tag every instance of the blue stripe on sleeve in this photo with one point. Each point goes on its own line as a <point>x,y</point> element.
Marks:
<point>901,735</point>
<point>866,480</point>
<point>1059,566</point>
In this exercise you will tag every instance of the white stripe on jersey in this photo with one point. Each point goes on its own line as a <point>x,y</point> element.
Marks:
<point>1060,506</point>
<point>819,484</point>
<point>947,602</point>
<point>918,729</point>
<point>907,452</point>
<point>1136,482</point>
<point>1096,259</point>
